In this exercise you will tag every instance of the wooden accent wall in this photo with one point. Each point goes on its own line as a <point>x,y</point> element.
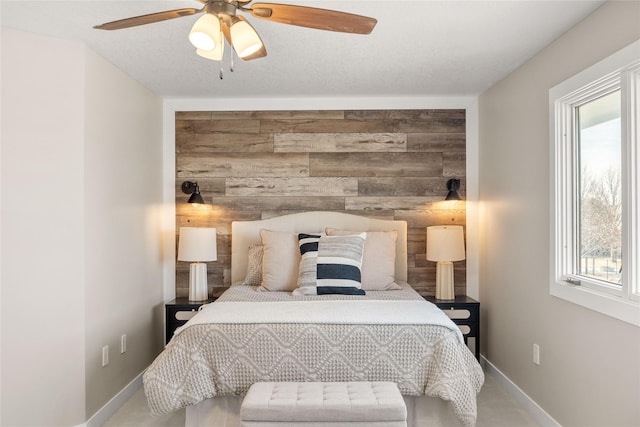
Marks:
<point>383,164</point>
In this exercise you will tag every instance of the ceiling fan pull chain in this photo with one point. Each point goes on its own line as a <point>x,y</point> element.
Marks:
<point>221,73</point>
<point>231,62</point>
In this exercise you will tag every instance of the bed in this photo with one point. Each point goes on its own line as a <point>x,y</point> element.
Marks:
<point>261,330</point>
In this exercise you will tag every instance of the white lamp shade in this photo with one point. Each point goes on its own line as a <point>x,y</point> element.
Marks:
<point>245,39</point>
<point>445,243</point>
<point>197,244</point>
<point>205,33</point>
<point>214,54</point>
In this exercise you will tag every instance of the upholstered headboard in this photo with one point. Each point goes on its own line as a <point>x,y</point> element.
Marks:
<point>245,233</point>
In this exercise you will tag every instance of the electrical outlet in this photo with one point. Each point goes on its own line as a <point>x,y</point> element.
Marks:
<point>536,354</point>
<point>123,344</point>
<point>105,356</point>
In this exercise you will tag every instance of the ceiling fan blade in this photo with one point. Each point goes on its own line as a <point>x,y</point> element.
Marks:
<point>311,17</point>
<point>147,19</point>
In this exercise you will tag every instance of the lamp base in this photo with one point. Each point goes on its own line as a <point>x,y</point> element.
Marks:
<point>444,280</point>
<point>198,282</point>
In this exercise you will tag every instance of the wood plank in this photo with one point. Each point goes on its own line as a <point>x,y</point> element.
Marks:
<point>326,126</point>
<point>375,164</point>
<point>457,114</point>
<point>189,216</point>
<point>454,164</point>
<point>421,280</point>
<point>416,244</point>
<point>208,143</point>
<point>438,142</point>
<point>283,187</point>
<point>300,115</point>
<point>277,203</point>
<point>443,125</point>
<point>243,165</point>
<point>339,142</point>
<point>422,218</point>
<point>233,115</point>
<point>433,187</point>
<point>243,115</point>
<point>193,115</point>
<point>277,213</point>
<point>220,126</point>
<point>212,216</point>
<point>386,203</point>
<point>386,215</point>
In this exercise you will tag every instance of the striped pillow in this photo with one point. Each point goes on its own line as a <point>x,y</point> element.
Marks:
<point>308,260</point>
<point>330,264</point>
<point>379,262</point>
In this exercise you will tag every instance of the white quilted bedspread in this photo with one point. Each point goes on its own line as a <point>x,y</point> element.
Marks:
<point>225,357</point>
<point>364,312</point>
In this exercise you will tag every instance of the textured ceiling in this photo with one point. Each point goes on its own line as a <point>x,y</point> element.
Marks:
<point>418,48</point>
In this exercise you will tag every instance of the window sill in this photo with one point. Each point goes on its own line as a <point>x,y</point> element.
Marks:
<point>609,305</point>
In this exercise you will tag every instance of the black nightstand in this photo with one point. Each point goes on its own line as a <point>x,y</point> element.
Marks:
<point>465,312</point>
<point>178,312</point>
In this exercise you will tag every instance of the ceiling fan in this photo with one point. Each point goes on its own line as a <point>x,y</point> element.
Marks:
<point>220,20</point>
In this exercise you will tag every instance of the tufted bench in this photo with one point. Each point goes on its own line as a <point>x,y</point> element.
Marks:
<point>318,404</point>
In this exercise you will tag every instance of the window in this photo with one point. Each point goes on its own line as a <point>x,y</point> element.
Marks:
<point>598,196</point>
<point>594,141</point>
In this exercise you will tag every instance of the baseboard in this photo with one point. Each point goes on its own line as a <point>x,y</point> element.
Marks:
<point>112,406</point>
<point>533,409</point>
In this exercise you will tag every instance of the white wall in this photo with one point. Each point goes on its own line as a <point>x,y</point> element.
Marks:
<point>81,191</point>
<point>589,373</point>
<point>123,194</point>
<point>43,339</point>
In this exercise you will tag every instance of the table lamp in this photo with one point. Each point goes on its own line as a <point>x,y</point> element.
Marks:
<point>197,245</point>
<point>445,243</point>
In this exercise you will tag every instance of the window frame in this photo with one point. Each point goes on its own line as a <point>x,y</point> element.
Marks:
<point>619,71</point>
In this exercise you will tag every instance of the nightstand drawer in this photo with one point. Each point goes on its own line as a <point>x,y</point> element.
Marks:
<point>469,329</point>
<point>180,315</point>
<point>465,313</point>
<point>178,312</point>
<point>459,314</point>
<point>465,329</point>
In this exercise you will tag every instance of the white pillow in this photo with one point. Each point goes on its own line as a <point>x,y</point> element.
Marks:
<point>280,260</point>
<point>379,263</point>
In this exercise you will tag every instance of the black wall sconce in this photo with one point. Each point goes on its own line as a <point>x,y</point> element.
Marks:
<point>453,185</point>
<point>191,187</point>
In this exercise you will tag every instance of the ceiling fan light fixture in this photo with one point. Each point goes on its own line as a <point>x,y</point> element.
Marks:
<point>205,33</point>
<point>220,20</point>
<point>214,54</point>
<point>217,52</point>
<point>245,39</point>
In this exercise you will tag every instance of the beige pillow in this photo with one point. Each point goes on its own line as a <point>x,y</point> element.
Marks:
<point>379,262</point>
<point>280,260</point>
<point>254,265</point>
